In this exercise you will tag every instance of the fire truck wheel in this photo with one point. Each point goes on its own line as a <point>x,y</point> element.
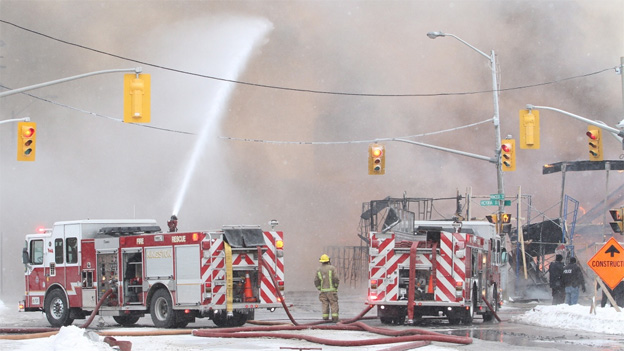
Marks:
<point>237,320</point>
<point>161,309</point>
<point>126,320</point>
<point>469,316</point>
<point>57,309</point>
<point>183,319</point>
<point>181,324</point>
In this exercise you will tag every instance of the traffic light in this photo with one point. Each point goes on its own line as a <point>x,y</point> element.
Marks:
<point>529,129</point>
<point>376,159</point>
<point>137,93</point>
<point>618,220</point>
<point>595,143</point>
<point>493,218</point>
<point>505,218</point>
<point>26,141</point>
<point>508,155</point>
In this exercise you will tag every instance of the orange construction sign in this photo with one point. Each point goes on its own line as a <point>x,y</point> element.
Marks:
<point>608,263</point>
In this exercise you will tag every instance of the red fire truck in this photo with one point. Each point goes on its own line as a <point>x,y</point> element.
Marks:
<point>435,268</point>
<point>132,268</point>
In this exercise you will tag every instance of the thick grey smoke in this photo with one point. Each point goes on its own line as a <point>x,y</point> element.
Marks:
<point>92,167</point>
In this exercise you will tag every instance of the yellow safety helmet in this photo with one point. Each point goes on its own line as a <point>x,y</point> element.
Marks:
<point>324,258</point>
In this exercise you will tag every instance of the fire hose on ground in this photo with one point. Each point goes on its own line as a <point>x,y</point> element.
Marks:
<point>416,337</point>
<point>32,333</point>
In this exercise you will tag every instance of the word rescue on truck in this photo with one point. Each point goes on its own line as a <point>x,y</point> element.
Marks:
<point>135,269</point>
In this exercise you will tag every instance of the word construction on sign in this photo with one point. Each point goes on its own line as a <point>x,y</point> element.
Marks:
<point>608,263</point>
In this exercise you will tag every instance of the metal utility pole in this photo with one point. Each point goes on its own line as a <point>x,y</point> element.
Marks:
<point>621,69</point>
<point>496,119</point>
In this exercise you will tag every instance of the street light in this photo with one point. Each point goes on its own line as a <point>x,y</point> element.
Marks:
<point>497,148</point>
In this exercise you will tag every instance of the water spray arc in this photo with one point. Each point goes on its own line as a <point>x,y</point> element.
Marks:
<point>243,43</point>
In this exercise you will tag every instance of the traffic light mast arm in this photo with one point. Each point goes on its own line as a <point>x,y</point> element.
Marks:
<point>25,119</point>
<point>463,153</point>
<point>41,85</point>
<point>618,132</point>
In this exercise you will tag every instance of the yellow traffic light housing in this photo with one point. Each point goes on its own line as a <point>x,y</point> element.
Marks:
<point>376,159</point>
<point>529,129</point>
<point>493,218</point>
<point>504,218</point>
<point>137,100</point>
<point>595,143</point>
<point>508,155</point>
<point>618,220</point>
<point>26,141</point>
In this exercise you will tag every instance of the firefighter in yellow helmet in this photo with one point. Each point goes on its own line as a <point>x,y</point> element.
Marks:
<point>326,281</point>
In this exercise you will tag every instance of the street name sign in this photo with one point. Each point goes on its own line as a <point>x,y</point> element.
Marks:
<point>489,202</point>
<point>493,202</point>
<point>608,263</point>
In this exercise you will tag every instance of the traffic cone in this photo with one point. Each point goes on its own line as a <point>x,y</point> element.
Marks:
<point>430,286</point>
<point>248,292</point>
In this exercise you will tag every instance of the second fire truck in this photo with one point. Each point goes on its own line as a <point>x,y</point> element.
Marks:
<point>441,269</point>
<point>132,268</point>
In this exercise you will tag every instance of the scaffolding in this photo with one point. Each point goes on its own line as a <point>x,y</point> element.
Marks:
<point>351,262</point>
<point>396,214</point>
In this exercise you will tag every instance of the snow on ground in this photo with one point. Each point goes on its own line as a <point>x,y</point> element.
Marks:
<point>68,338</point>
<point>577,317</point>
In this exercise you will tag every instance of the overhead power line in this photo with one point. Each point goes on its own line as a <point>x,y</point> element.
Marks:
<point>301,90</point>
<point>355,141</point>
<point>251,140</point>
<point>100,115</point>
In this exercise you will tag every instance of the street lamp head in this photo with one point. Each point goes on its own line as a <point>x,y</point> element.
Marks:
<point>433,35</point>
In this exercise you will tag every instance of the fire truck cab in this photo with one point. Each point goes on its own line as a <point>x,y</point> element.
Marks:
<point>129,268</point>
<point>436,268</point>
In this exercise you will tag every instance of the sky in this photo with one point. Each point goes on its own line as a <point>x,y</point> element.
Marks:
<point>577,317</point>
<point>316,82</point>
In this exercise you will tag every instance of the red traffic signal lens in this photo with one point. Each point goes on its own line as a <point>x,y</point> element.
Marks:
<point>506,147</point>
<point>376,152</point>
<point>28,132</point>
<point>591,135</point>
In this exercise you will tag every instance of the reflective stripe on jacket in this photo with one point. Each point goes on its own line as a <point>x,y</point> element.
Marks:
<point>326,278</point>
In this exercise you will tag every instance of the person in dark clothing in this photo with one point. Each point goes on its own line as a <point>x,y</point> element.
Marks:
<point>617,294</point>
<point>555,271</point>
<point>573,280</point>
